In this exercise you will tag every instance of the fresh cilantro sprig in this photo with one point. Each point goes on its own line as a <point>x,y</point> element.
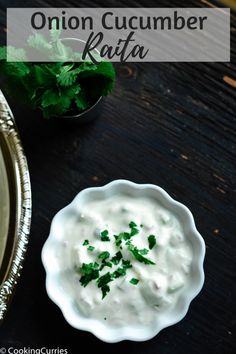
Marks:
<point>63,86</point>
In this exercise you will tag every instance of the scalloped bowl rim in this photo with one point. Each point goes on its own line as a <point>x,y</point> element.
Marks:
<point>101,331</point>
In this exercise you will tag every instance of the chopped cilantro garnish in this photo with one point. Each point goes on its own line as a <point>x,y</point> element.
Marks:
<point>116,259</point>
<point>91,248</point>
<point>102,283</point>
<point>104,255</point>
<point>126,264</point>
<point>126,236</point>
<point>105,264</point>
<point>87,268</point>
<point>143,251</point>
<point>105,289</point>
<point>90,272</point>
<point>104,279</point>
<point>138,254</point>
<point>122,236</point>
<point>104,235</point>
<point>132,224</point>
<point>134,229</point>
<point>119,272</point>
<point>151,241</point>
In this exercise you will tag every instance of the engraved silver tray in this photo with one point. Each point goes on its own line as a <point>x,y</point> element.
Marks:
<point>15,206</point>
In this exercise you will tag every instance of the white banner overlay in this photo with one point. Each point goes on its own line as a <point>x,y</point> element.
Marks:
<point>120,34</point>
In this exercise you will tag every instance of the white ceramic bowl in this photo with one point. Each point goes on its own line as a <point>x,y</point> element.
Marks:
<point>65,302</point>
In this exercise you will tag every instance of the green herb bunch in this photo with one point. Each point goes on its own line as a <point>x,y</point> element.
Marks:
<point>57,87</point>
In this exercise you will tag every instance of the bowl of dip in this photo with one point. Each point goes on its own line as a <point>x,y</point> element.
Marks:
<point>123,261</point>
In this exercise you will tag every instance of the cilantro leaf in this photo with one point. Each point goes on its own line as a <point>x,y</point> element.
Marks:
<point>86,242</point>
<point>50,97</point>
<point>91,248</point>
<point>105,264</point>
<point>13,54</point>
<point>17,69</point>
<point>56,101</point>
<point>81,101</point>
<point>42,76</point>
<point>90,272</point>
<point>126,264</point>
<point>120,237</point>
<point>119,272</point>
<point>12,62</point>
<point>116,259</point>
<point>104,68</point>
<point>88,268</point>
<point>143,251</point>
<point>105,289</point>
<point>126,236</point>
<point>132,224</point>
<point>138,254</point>
<point>66,76</point>
<point>86,67</point>
<point>39,42</point>
<point>151,241</point>
<point>55,32</point>
<point>102,283</point>
<point>134,281</point>
<point>104,236</point>
<point>104,255</point>
<point>3,53</point>
<point>101,79</point>
<point>134,229</point>
<point>104,279</point>
<point>61,52</point>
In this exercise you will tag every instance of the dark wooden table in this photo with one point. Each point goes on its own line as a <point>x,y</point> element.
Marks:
<point>167,124</point>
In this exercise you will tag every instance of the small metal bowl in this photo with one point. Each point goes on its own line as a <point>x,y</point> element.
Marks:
<point>83,117</point>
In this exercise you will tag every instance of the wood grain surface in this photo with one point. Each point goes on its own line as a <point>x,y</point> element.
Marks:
<point>168,124</point>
